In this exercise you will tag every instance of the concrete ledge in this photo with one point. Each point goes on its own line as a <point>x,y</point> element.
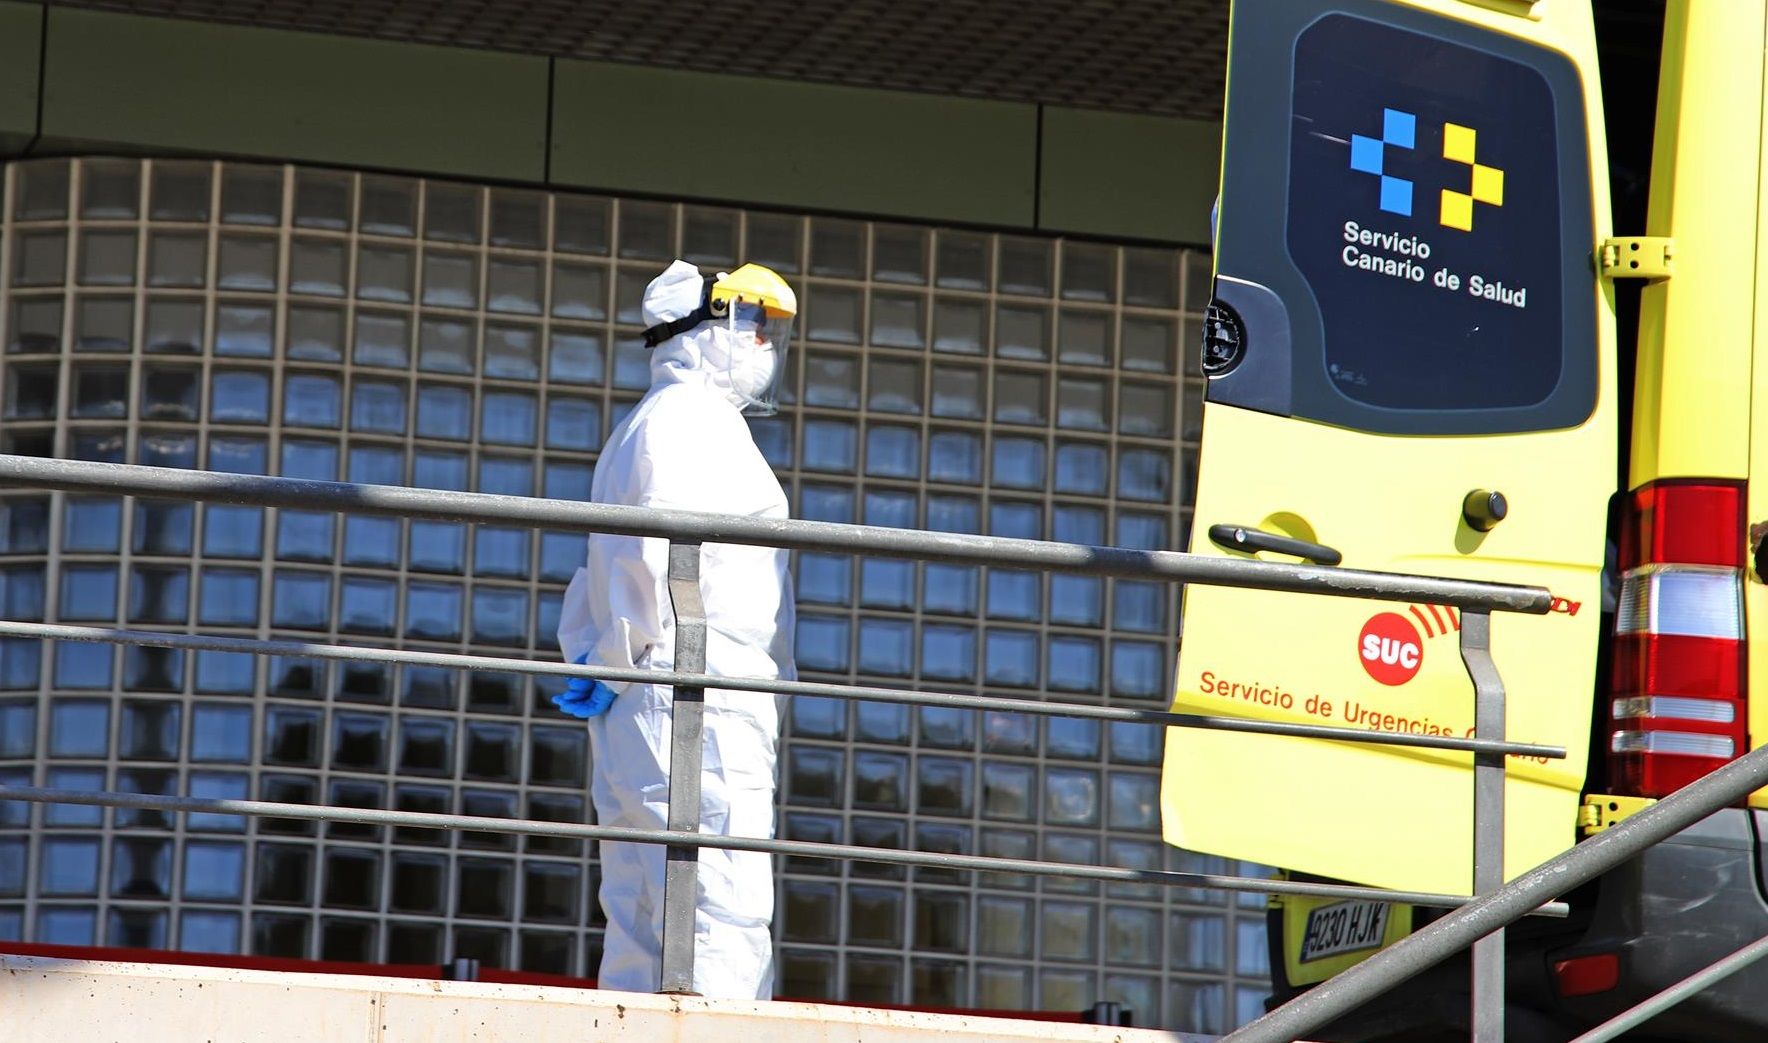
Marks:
<point>46,999</point>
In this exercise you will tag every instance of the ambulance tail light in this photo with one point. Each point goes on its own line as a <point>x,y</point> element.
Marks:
<point>1679,702</point>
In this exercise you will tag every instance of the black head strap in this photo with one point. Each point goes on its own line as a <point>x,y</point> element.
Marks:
<point>663,331</point>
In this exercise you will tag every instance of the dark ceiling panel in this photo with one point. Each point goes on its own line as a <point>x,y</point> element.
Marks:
<point>1158,57</point>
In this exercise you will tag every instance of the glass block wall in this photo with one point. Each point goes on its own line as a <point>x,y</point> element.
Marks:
<point>343,326</point>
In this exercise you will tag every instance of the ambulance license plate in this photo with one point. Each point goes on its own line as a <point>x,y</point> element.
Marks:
<point>1344,927</point>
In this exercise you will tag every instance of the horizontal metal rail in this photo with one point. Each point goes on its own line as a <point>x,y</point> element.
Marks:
<point>947,700</point>
<point>960,548</point>
<point>797,848</point>
<point>1336,997</point>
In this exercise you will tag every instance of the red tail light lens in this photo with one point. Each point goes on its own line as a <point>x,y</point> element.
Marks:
<point>1679,699</point>
<point>1587,975</point>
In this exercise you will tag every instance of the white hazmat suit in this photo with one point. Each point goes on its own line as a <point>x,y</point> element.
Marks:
<point>686,446</point>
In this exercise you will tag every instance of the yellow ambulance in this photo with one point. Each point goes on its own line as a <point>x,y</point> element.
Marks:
<point>1415,364</point>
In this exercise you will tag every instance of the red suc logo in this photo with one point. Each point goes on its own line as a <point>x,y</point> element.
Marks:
<point>1390,649</point>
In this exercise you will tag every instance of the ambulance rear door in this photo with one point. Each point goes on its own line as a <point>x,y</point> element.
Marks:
<point>1411,369</point>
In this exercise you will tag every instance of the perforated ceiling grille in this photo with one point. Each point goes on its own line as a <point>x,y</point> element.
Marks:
<point>1161,57</point>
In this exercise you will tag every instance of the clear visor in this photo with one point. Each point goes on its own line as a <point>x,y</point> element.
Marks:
<point>756,373</point>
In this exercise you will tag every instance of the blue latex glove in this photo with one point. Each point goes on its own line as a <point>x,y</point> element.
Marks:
<point>584,697</point>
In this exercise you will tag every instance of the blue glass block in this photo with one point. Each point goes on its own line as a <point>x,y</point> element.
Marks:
<point>1072,738</point>
<point>1011,658</point>
<point>547,613</point>
<point>150,730</point>
<point>16,814</point>
<point>12,924</point>
<point>1139,605</point>
<point>948,653</point>
<point>372,541</point>
<point>18,728</point>
<point>311,400</point>
<point>68,866</point>
<point>891,508</point>
<point>824,578</point>
<point>822,643</point>
<point>561,555</point>
<point>632,364</point>
<point>887,583</point>
<point>24,525</point>
<point>228,597</point>
<point>148,669</point>
<point>159,594</point>
<point>829,445</point>
<point>226,673</point>
<point>950,589</point>
<point>304,536</point>
<point>141,867</point>
<point>221,733</point>
<point>773,436</point>
<point>507,418</point>
<point>298,678</point>
<point>881,722</point>
<point>13,854</point>
<point>1084,525</point>
<point>500,552</point>
<point>1145,474</point>
<point>80,727</point>
<point>58,925</point>
<point>1018,463</point>
<point>1015,595</point>
<point>506,476</point>
<point>437,546</point>
<point>1133,743</point>
<point>500,616</point>
<point>301,600</point>
<point>886,647</point>
<point>434,469</point>
<point>360,742</point>
<point>83,665</point>
<point>89,592</point>
<point>239,397</point>
<point>77,816</point>
<point>568,481</point>
<point>1142,531</point>
<point>825,503</point>
<point>312,460</point>
<point>1138,670</point>
<point>22,594</point>
<point>214,871</point>
<point>1135,804</point>
<point>367,606</point>
<point>233,532</point>
<point>21,659</point>
<point>893,452</point>
<point>819,718</point>
<point>165,450</point>
<point>203,930</point>
<point>378,408</point>
<point>444,411</point>
<point>1398,128</point>
<point>954,456</point>
<point>1074,664</point>
<point>578,357</point>
<point>432,611</point>
<point>92,524</point>
<point>241,455</point>
<point>573,423</point>
<point>215,785</point>
<point>954,514</point>
<point>1077,600</point>
<point>1366,154</point>
<point>1083,468</point>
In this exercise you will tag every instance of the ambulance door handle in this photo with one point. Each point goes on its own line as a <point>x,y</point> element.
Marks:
<point>1249,540</point>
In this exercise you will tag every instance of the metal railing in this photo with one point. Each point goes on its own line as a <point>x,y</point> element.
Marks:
<point>686,531</point>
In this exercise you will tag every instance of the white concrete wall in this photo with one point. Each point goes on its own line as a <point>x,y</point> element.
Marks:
<point>43,1000</point>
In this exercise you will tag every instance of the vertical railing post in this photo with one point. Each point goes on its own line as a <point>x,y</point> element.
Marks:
<point>1488,820</point>
<point>681,869</point>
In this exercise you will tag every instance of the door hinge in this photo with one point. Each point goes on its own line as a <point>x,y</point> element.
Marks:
<point>1602,811</point>
<point>1637,257</point>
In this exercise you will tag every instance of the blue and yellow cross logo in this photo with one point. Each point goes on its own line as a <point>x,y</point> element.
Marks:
<point>1400,130</point>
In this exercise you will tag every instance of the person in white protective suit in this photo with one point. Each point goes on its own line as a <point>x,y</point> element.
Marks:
<point>719,350</point>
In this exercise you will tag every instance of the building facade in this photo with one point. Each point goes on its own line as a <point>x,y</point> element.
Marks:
<point>422,324</point>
